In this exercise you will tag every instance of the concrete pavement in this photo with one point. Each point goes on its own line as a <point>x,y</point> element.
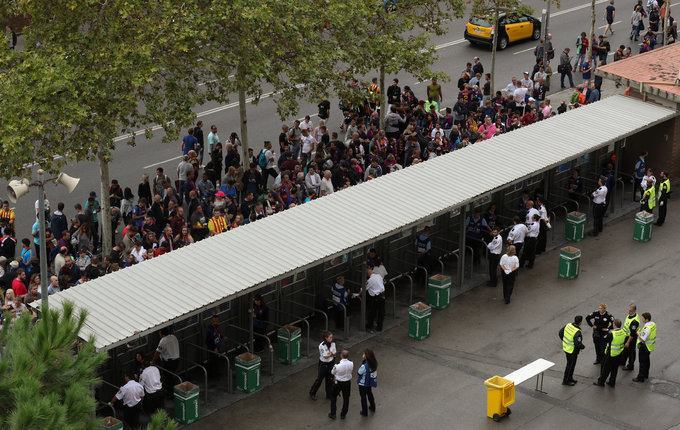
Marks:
<point>438,383</point>
<point>130,162</point>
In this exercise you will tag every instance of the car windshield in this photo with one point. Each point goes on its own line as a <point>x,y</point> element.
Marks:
<point>480,22</point>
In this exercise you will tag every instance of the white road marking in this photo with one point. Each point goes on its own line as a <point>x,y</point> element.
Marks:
<point>613,23</point>
<point>162,162</point>
<point>522,51</point>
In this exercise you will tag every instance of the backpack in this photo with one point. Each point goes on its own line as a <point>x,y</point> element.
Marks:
<point>262,159</point>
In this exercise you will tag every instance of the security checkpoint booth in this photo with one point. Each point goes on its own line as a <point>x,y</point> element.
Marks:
<point>292,268</point>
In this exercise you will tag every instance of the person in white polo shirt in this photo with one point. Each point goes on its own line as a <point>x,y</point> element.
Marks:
<point>375,300</point>
<point>327,353</point>
<point>517,234</point>
<point>130,395</point>
<point>168,354</point>
<point>150,379</point>
<point>343,384</point>
<point>495,249</point>
<point>509,265</point>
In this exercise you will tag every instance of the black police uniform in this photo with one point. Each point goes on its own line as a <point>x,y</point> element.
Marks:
<point>601,324</point>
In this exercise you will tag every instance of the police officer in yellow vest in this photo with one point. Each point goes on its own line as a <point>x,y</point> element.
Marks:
<point>646,343</point>
<point>630,328</point>
<point>648,201</point>
<point>572,344</point>
<point>664,195</point>
<point>615,340</point>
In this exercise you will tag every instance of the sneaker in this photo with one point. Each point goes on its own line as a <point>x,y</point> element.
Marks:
<point>331,416</point>
<point>611,384</point>
<point>638,379</point>
<point>363,414</point>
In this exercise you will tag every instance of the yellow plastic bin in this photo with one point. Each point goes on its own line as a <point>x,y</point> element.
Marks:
<point>500,393</point>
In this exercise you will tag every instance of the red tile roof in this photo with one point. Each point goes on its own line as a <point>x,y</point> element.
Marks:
<point>657,68</point>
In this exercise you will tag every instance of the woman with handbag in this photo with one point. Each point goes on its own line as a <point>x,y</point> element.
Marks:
<point>367,380</point>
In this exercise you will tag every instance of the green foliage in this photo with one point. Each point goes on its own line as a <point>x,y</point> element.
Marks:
<point>486,8</point>
<point>47,374</point>
<point>161,421</point>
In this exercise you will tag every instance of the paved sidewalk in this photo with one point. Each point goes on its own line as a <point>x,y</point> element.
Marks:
<point>438,383</point>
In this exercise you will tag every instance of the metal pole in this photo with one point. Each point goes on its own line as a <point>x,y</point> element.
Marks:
<point>43,245</point>
<point>617,153</point>
<point>461,246</point>
<point>251,326</point>
<point>545,35</point>
<point>494,44</point>
<point>363,290</point>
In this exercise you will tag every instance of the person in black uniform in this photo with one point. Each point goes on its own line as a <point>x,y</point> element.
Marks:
<point>601,322</point>
<point>630,326</point>
<point>664,194</point>
<point>613,353</point>
<point>577,339</point>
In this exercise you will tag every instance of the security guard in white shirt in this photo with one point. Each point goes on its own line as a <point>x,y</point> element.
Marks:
<point>530,241</point>
<point>343,384</point>
<point>531,211</point>
<point>544,227</point>
<point>375,300</point>
<point>168,354</point>
<point>495,248</point>
<point>327,353</point>
<point>517,234</point>
<point>599,203</point>
<point>153,388</point>
<point>131,395</point>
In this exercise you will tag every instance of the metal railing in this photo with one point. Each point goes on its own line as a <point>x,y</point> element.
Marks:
<point>162,369</point>
<point>107,406</point>
<point>313,309</point>
<point>195,365</point>
<point>303,319</point>
<point>219,355</point>
<point>269,343</point>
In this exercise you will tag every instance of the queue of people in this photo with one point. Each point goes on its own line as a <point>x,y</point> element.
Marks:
<point>616,344</point>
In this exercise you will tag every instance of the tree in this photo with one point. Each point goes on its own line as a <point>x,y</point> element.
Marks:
<point>388,36</point>
<point>273,43</point>
<point>47,373</point>
<point>161,421</point>
<point>92,70</point>
<point>491,9</point>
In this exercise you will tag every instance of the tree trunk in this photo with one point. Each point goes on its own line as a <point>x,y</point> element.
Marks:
<point>105,207</point>
<point>494,44</point>
<point>545,34</point>
<point>243,116</point>
<point>592,37</point>
<point>383,98</point>
<point>664,21</point>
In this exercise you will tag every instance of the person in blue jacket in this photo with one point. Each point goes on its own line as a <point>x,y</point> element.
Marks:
<point>367,380</point>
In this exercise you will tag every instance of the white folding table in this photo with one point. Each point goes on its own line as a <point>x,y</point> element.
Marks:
<point>535,368</point>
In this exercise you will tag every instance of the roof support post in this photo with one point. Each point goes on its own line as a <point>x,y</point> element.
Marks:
<point>251,327</point>
<point>612,196</point>
<point>460,270</point>
<point>363,288</point>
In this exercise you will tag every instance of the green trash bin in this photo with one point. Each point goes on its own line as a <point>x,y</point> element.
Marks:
<point>569,262</point>
<point>288,344</point>
<point>643,226</point>
<point>247,372</point>
<point>575,226</point>
<point>186,402</point>
<point>111,423</point>
<point>419,315</point>
<point>439,291</point>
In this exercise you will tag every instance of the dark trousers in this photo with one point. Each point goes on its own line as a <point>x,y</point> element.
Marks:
<point>366,395</point>
<point>662,212</point>
<point>494,259</point>
<point>567,74</point>
<point>168,379</point>
<point>598,218</point>
<point>628,355</point>
<point>643,372</point>
<point>339,315</point>
<point>571,365</point>
<point>600,345</point>
<point>343,387</point>
<point>508,285</point>
<point>131,415</point>
<point>323,375</point>
<point>375,307</point>
<point>637,185</point>
<point>610,368</point>
<point>154,402</point>
<point>518,249</point>
<point>529,254</point>
<point>266,173</point>
<point>542,241</point>
<point>213,368</point>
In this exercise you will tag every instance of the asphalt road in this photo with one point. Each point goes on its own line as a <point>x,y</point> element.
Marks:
<point>129,163</point>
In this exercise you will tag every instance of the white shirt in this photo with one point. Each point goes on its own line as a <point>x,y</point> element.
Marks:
<point>517,234</point>
<point>519,95</point>
<point>600,195</point>
<point>313,180</point>
<point>375,285</point>
<point>343,370</point>
<point>327,186</point>
<point>327,354</point>
<point>530,215</point>
<point>435,131</point>
<point>543,212</point>
<point>151,379</point>
<point>139,255</point>
<point>131,393</point>
<point>508,263</point>
<point>168,348</point>
<point>496,245</point>
<point>533,229</point>
<point>644,181</point>
<point>527,83</point>
<point>644,332</point>
<point>308,143</point>
<point>269,156</point>
<point>304,125</point>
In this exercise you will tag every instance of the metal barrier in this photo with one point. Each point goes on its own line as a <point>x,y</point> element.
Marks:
<point>269,342</point>
<point>312,308</point>
<point>219,355</point>
<point>195,365</point>
<point>162,369</point>
<point>294,322</point>
<point>107,406</point>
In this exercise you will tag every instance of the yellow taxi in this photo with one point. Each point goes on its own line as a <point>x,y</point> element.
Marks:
<point>513,28</point>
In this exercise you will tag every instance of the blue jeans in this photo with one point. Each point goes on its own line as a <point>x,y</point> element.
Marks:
<point>635,32</point>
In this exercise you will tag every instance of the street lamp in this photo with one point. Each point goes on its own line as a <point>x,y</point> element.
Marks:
<point>18,188</point>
